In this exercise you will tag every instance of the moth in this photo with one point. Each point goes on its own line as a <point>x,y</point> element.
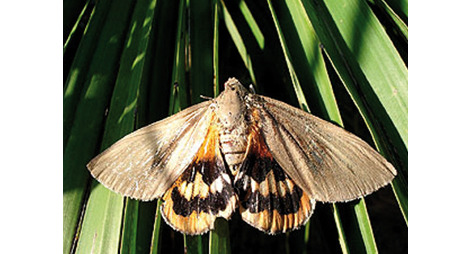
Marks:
<point>244,151</point>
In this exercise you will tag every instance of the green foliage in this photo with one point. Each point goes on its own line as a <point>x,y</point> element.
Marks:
<point>130,63</point>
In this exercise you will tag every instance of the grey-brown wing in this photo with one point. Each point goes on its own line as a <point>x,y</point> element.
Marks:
<point>145,163</point>
<point>328,162</point>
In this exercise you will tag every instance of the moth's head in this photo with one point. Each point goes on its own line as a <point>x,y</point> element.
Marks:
<point>234,93</point>
<point>234,87</point>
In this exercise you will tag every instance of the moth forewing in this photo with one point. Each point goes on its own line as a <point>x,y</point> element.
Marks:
<point>327,161</point>
<point>144,164</point>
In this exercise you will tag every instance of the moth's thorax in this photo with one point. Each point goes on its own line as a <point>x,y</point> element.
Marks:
<point>230,104</point>
<point>231,111</point>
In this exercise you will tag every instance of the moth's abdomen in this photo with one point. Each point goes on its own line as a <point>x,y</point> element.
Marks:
<point>233,147</point>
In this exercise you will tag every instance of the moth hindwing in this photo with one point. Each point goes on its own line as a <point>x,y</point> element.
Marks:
<point>202,193</point>
<point>269,159</point>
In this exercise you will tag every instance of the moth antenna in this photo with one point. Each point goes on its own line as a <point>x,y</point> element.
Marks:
<point>252,89</point>
<point>206,97</point>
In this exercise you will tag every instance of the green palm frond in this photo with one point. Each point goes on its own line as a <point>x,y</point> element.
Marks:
<point>129,63</point>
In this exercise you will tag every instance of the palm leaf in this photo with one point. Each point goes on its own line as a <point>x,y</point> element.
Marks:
<point>130,63</point>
